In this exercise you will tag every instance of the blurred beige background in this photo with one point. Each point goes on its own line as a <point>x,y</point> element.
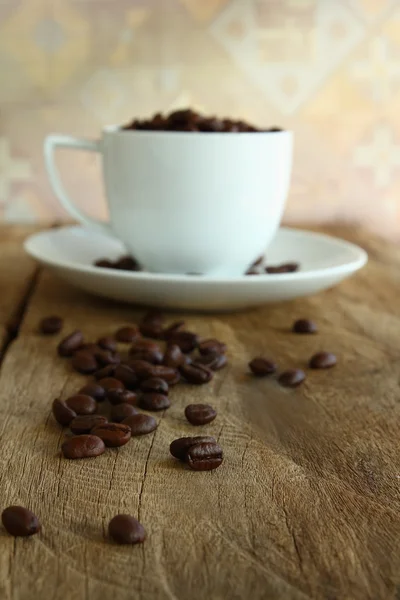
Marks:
<point>328,69</point>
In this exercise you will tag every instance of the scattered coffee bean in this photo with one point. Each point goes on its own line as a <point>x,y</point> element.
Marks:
<point>107,343</point>
<point>127,335</point>
<point>82,404</point>
<point>215,362</point>
<point>84,363</point>
<point>323,360</point>
<point>125,529</point>
<point>83,446</point>
<point>204,456</point>
<point>169,374</point>
<point>291,377</point>
<point>69,344</point>
<point>153,401</point>
<point>120,412</point>
<point>106,357</point>
<point>95,390</point>
<point>110,383</point>
<point>151,355</point>
<point>152,325</point>
<point>186,340</point>
<point>261,367</point>
<point>113,435</point>
<point>196,373</point>
<point>19,521</point>
<point>50,325</point>
<point>173,356</point>
<point>140,424</point>
<point>285,268</point>
<point>179,447</point>
<point>127,376</point>
<point>252,271</point>
<point>211,346</point>
<point>127,263</point>
<point>63,414</point>
<point>118,396</point>
<point>141,368</point>
<point>304,326</point>
<point>89,348</point>
<point>200,414</point>
<point>105,372</point>
<point>177,326</point>
<point>85,423</point>
<point>104,263</point>
<point>155,384</point>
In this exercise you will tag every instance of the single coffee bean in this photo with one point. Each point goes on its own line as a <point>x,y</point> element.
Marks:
<point>50,325</point>
<point>85,423</point>
<point>196,373</point>
<point>95,390</point>
<point>107,343</point>
<point>69,344</point>
<point>261,367</point>
<point>106,357</point>
<point>82,404</point>
<point>118,396</point>
<point>105,372</point>
<point>200,414</point>
<point>89,347</point>
<point>19,521</point>
<point>177,326</point>
<point>173,356</point>
<point>105,263</point>
<point>179,447</point>
<point>291,377</point>
<point>140,424</point>
<point>152,325</point>
<point>204,456</point>
<point>113,434</point>
<point>127,335</point>
<point>212,346</point>
<point>215,362</point>
<point>253,271</point>
<point>155,384</point>
<point>323,360</point>
<point>127,263</point>
<point>142,344</point>
<point>63,414</point>
<point>285,268</point>
<point>151,355</point>
<point>146,371</point>
<point>304,326</point>
<point>127,376</point>
<point>125,529</point>
<point>186,340</point>
<point>83,446</point>
<point>84,363</point>
<point>122,411</point>
<point>153,401</point>
<point>141,368</point>
<point>110,383</point>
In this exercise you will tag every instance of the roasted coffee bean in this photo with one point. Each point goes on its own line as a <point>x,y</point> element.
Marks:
<point>95,390</point>
<point>152,325</point>
<point>179,447</point>
<point>176,326</point>
<point>106,357</point>
<point>104,263</point>
<point>105,372</point>
<point>285,268</point>
<point>84,362</point>
<point>118,396</point>
<point>127,376</point>
<point>215,362</point>
<point>83,446</point>
<point>155,384</point>
<point>204,456</point>
<point>85,423</point>
<point>200,414</point>
<point>146,371</point>
<point>196,373</point>
<point>63,414</point>
<point>19,521</point>
<point>69,344</point>
<point>153,401</point>
<point>122,411</point>
<point>323,360</point>
<point>304,326</point>
<point>127,335</point>
<point>261,367</point>
<point>140,424</point>
<point>50,325</point>
<point>253,271</point>
<point>113,434</point>
<point>141,368</point>
<point>151,355</point>
<point>82,404</point>
<point>107,343</point>
<point>211,346</point>
<point>173,356</point>
<point>291,377</point>
<point>127,263</point>
<point>125,529</point>
<point>90,348</point>
<point>142,344</point>
<point>110,383</point>
<point>186,340</point>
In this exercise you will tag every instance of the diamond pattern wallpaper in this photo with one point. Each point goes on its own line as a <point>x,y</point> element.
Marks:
<point>328,69</point>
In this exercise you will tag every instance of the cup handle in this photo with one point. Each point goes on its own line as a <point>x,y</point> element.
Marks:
<point>53,142</point>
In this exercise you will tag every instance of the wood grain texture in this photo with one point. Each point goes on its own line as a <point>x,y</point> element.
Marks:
<point>306,503</point>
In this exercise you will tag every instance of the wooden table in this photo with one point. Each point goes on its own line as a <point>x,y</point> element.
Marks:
<point>306,504</point>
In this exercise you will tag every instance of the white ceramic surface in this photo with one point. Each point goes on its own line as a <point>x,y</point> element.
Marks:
<point>71,251</point>
<point>188,202</point>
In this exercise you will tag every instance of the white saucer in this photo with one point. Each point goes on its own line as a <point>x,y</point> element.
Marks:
<point>324,261</point>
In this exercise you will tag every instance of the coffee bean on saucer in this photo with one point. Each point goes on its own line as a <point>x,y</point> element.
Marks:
<point>118,396</point>
<point>113,435</point>
<point>84,362</point>
<point>173,328</point>
<point>200,414</point>
<point>252,271</point>
<point>107,343</point>
<point>179,447</point>
<point>127,335</point>
<point>261,367</point>
<point>69,344</point>
<point>119,412</point>
<point>19,521</point>
<point>127,376</point>
<point>83,446</point>
<point>85,423</point>
<point>95,390</point>
<point>285,268</point>
<point>155,384</point>
<point>152,401</point>
<point>105,372</point>
<point>173,356</point>
<point>51,325</point>
<point>104,263</point>
<point>211,346</point>
<point>186,340</point>
<point>127,263</point>
<point>196,373</point>
<point>82,404</point>
<point>215,362</point>
<point>63,414</point>
<point>140,424</point>
<point>110,383</point>
<point>124,529</point>
<point>291,377</point>
<point>304,326</point>
<point>323,360</point>
<point>204,456</point>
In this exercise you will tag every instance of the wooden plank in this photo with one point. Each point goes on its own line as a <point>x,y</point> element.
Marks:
<point>306,504</point>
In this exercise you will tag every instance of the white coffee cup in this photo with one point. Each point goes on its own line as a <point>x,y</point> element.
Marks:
<point>187,202</point>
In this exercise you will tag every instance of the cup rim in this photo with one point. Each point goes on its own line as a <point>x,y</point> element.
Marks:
<point>118,129</point>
